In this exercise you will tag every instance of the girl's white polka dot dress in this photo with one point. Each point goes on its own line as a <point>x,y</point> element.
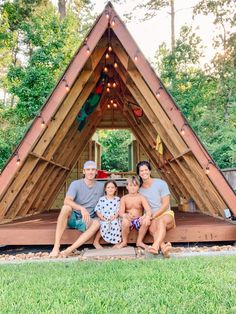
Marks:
<point>110,230</point>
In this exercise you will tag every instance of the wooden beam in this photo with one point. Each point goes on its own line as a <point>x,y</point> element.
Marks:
<point>35,193</point>
<point>181,155</point>
<point>49,161</point>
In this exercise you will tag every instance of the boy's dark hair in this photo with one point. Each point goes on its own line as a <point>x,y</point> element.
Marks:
<point>110,181</point>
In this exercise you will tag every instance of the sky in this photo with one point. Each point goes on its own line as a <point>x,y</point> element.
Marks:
<point>150,34</point>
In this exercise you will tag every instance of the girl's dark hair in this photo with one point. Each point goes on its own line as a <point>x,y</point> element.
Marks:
<point>110,181</point>
<point>140,164</point>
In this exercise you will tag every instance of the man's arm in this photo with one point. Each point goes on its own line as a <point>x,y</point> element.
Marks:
<point>165,201</point>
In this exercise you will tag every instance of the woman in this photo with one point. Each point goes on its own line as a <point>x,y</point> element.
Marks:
<point>157,193</point>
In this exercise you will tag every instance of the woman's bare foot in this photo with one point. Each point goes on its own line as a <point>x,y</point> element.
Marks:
<point>121,245</point>
<point>55,252</point>
<point>142,245</point>
<point>166,249</point>
<point>97,246</point>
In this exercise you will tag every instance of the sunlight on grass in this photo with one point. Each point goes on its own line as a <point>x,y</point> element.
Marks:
<point>196,285</point>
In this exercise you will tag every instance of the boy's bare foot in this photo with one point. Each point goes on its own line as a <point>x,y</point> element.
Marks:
<point>55,252</point>
<point>121,245</point>
<point>142,245</point>
<point>153,250</point>
<point>97,246</point>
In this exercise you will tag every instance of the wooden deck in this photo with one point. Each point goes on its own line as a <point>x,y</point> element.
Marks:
<point>191,227</point>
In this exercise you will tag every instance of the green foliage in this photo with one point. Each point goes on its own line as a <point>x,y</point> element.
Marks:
<point>114,149</point>
<point>206,97</point>
<point>195,285</point>
<point>36,46</point>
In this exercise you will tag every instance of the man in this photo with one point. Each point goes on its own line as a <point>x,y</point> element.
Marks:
<point>78,210</point>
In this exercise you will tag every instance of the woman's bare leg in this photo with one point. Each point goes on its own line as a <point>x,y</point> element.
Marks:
<point>158,230</point>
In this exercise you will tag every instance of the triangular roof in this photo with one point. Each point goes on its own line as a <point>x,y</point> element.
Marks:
<point>43,160</point>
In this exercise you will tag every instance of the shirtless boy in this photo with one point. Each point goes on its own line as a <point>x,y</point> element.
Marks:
<point>132,207</point>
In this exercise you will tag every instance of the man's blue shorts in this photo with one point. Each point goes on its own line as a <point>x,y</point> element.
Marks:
<point>76,223</point>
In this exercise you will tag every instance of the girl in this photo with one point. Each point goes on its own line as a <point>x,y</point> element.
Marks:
<point>107,210</point>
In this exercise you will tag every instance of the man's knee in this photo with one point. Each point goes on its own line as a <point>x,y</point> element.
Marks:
<point>95,223</point>
<point>66,210</point>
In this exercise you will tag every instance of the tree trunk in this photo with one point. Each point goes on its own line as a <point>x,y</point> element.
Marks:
<point>62,9</point>
<point>172,16</point>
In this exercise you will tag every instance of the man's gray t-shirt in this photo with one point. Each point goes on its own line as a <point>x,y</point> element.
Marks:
<point>85,196</point>
<point>154,193</point>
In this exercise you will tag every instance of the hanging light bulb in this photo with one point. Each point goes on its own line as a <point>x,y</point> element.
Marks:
<point>43,124</point>
<point>108,89</point>
<point>109,84</point>
<point>107,15</point>
<point>105,69</point>
<point>67,87</point>
<point>182,130</point>
<point>108,106</point>
<point>158,93</point>
<point>112,101</point>
<point>115,105</point>
<point>113,23</point>
<point>114,84</point>
<point>207,170</point>
<point>107,55</point>
<point>110,48</point>
<point>136,58</point>
<point>115,64</point>
<point>17,158</point>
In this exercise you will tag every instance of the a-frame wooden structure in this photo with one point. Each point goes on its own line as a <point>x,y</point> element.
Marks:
<point>45,157</point>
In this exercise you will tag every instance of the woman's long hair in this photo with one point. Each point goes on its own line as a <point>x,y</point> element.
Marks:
<point>142,163</point>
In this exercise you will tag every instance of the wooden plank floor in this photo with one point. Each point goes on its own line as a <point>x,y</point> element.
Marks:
<point>191,227</point>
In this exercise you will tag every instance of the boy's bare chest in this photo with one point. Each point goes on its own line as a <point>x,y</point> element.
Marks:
<point>133,202</point>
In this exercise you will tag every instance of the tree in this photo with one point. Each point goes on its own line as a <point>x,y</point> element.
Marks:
<point>114,149</point>
<point>222,131</point>
<point>197,93</point>
<point>37,46</point>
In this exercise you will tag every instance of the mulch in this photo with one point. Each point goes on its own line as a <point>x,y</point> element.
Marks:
<point>140,254</point>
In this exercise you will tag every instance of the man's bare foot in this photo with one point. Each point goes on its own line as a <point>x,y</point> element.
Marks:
<point>97,246</point>
<point>121,245</point>
<point>142,245</point>
<point>65,253</point>
<point>55,252</point>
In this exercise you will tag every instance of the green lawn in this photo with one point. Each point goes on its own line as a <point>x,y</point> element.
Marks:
<point>194,285</point>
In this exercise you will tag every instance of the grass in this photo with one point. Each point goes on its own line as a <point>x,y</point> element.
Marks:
<point>194,285</point>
